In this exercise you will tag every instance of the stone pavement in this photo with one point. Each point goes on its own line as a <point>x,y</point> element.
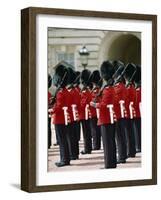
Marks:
<point>87,162</point>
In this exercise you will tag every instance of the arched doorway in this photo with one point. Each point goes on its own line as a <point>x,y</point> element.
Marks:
<point>121,46</point>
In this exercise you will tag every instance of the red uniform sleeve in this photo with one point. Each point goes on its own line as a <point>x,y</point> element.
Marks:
<point>138,102</point>
<point>107,114</point>
<point>85,99</point>
<point>104,100</point>
<point>49,96</point>
<point>59,102</point>
<point>132,96</point>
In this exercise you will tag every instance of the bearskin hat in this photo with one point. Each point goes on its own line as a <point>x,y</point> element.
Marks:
<point>129,71</point>
<point>119,68</point>
<point>60,77</point>
<point>49,81</point>
<point>107,70</point>
<point>117,64</point>
<point>96,78</point>
<point>77,78</point>
<point>85,76</point>
<point>71,75</point>
<point>137,76</point>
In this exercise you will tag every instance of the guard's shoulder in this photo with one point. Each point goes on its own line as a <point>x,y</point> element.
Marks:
<point>96,90</point>
<point>117,84</point>
<point>138,89</point>
<point>61,91</point>
<point>105,89</point>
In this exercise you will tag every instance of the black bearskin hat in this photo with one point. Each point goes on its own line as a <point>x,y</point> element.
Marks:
<point>129,71</point>
<point>107,70</point>
<point>49,81</point>
<point>119,68</point>
<point>71,75</point>
<point>117,64</point>
<point>60,77</point>
<point>77,78</point>
<point>137,76</point>
<point>85,76</point>
<point>96,78</point>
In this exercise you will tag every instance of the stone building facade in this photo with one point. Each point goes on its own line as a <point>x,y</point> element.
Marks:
<point>64,44</point>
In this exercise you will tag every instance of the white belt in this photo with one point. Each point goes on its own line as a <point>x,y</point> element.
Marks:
<point>74,106</point>
<point>122,108</point>
<point>65,115</point>
<point>110,107</point>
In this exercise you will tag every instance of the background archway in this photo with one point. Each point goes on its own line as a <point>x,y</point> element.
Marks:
<point>126,48</point>
<point>121,46</point>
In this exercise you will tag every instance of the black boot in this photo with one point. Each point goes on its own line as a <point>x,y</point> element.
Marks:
<point>62,164</point>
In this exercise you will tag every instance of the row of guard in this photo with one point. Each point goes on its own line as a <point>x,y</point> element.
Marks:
<point>106,103</point>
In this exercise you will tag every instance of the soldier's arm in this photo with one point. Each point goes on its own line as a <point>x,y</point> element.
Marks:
<point>83,100</point>
<point>104,100</point>
<point>59,102</point>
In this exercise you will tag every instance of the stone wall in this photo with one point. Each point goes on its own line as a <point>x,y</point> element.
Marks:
<point>66,43</point>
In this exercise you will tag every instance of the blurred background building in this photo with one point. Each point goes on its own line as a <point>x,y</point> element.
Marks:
<point>66,45</point>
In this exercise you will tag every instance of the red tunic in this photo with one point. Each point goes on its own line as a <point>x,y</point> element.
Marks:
<point>85,98</point>
<point>78,97</point>
<point>106,106</point>
<point>62,101</point>
<point>78,89</point>
<point>120,98</point>
<point>130,102</point>
<point>94,93</point>
<point>49,97</point>
<point>138,102</point>
<point>74,104</point>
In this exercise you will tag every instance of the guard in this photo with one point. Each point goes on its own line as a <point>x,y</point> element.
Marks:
<point>119,99</point>
<point>77,91</point>
<point>85,114</point>
<point>137,82</point>
<point>60,114</point>
<point>96,81</point>
<point>49,115</point>
<point>129,73</point>
<point>73,106</point>
<point>106,118</point>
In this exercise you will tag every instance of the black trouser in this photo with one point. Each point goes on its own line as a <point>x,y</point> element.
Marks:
<point>109,145</point>
<point>87,136</point>
<point>130,135</point>
<point>57,142</point>
<point>138,134</point>
<point>63,138</point>
<point>49,132</point>
<point>73,141</point>
<point>121,140</point>
<point>78,130</point>
<point>96,133</point>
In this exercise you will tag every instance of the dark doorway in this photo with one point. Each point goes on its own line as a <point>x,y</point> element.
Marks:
<point>126,48</point>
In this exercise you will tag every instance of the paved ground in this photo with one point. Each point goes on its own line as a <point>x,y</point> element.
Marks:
<point>87,162</point>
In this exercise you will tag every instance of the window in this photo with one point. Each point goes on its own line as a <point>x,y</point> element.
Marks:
<point>67,57</point>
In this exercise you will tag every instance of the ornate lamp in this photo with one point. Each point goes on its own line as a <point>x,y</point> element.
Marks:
<point>84,53</point>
